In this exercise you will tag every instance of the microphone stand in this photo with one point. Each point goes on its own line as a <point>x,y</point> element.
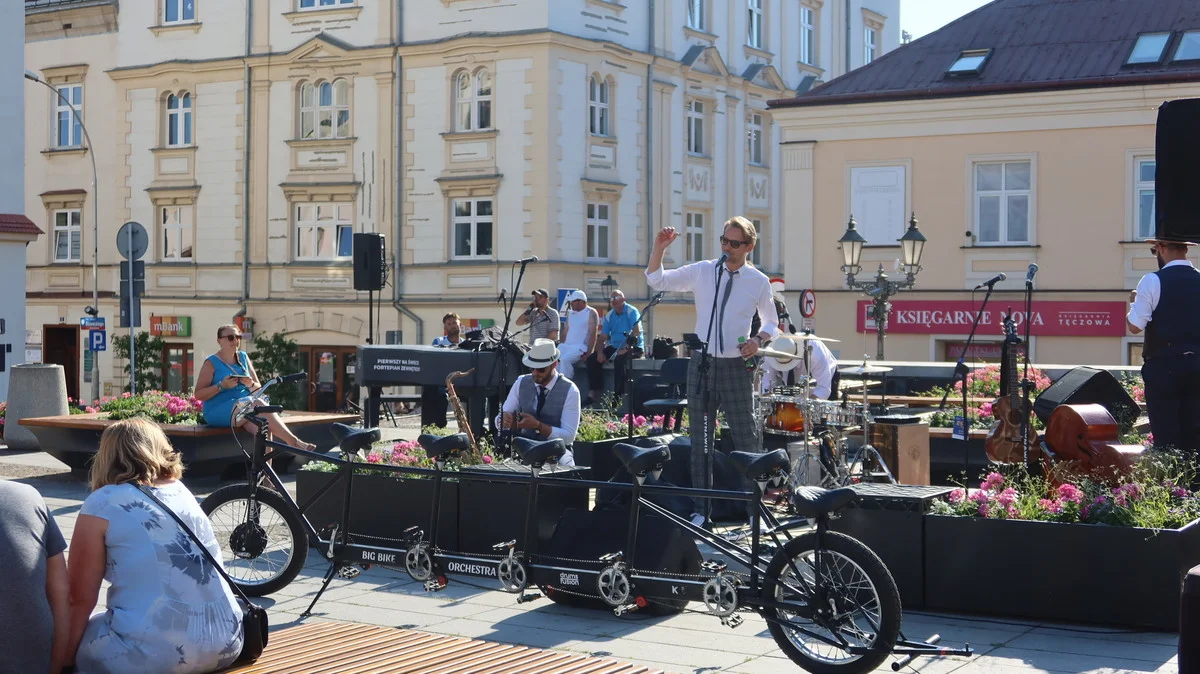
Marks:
<point>504,441</point>
<point>960,373</point>
<point>1026,385</point>
<point>630,341</point>
<point>706,397</point>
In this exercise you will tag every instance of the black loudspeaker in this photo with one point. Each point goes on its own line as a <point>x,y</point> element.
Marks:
<point>580,535</point>
<point>1177,172</point>
<point>368,262</point>
<point>1189,622</point>
<point>1087,385</point>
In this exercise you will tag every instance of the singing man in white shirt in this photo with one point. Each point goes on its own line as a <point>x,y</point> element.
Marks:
<point>739,290</point>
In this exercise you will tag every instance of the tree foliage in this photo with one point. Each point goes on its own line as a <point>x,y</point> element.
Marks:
<point>273,355</point>
<point>148,351</point>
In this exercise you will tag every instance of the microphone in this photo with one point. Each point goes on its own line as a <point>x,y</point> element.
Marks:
<point>992,281</point>
<point>501,299</point>
<point>1032,270</point>
<point>527,260</point>
<point>721,260</point>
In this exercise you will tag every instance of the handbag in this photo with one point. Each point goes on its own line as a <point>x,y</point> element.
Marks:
<point>254,617</point>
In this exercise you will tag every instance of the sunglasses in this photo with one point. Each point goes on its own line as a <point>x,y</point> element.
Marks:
<point>232,338</point>
<point>540,370</point>
<point>732,244</point>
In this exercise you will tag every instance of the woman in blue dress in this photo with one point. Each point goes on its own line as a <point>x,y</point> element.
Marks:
<point>226,377</point>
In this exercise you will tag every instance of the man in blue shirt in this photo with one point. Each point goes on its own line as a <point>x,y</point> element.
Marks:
<point>434,403</point>
<point>620,339</point>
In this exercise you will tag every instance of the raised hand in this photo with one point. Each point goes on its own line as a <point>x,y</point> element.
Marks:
<point>665,237</point>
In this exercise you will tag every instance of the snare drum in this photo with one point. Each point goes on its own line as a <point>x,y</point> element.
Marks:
<point>834,413</point>
<point>784,413</point>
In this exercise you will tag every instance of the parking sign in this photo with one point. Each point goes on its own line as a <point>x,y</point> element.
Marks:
<point>97,340</point>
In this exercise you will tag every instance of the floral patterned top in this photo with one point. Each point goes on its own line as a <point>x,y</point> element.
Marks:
<point>169,607</point>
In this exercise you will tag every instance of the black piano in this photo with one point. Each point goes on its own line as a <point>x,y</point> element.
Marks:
<point>418,365</point>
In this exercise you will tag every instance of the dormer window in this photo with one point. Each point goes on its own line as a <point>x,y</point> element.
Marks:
<point>1149,48</point>
<point>969,62</point>
<point>1189,47</point>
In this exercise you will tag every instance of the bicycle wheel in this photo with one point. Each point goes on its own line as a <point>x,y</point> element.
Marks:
<point>263,555</point>
<point>861,604</point>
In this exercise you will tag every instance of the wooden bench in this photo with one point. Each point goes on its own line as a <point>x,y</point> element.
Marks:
<point>350,648</point>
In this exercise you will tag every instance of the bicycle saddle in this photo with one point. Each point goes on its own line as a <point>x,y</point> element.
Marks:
<point>537,453</point>
<point>758,467</point>
<point>815,501</point>
<point>350,439</point>
<point>439,448</point>
<point>641,460</point>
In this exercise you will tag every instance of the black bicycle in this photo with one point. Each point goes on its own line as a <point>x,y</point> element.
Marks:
<point>829,602</point>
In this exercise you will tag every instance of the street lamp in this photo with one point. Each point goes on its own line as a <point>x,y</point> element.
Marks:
<point>95,308</point>
<point>608,285</point>
<point>880,288</point>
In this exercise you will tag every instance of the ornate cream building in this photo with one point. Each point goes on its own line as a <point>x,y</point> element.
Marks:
<point>252,139</point>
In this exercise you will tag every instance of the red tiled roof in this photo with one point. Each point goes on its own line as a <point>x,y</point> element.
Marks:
<point>1036,45</point>
<point>15,223</point>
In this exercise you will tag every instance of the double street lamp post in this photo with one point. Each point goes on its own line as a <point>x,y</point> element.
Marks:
<point>880,289</point>
<point>93,310</point>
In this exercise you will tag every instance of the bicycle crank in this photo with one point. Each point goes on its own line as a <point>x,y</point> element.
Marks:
<point>418,563</point>
<point>721,595</point>
<point>613,585</point>
<point>512,575</point>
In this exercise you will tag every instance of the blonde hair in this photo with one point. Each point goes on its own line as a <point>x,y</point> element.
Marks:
<point>134,451</point>
<point>744,226</point>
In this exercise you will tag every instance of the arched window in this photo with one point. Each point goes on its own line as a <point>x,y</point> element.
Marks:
<point>179,120</point>
<point>325,110</point>
<point>473,100</point>
<point>598,106</point>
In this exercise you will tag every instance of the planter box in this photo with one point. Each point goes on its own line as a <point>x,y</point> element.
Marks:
<point>493,512</point>
<point>381,506</point>
<point>1050,571</point>
<point>946,455</point>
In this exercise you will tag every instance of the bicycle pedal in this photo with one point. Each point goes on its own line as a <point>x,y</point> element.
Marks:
<point>349,572</point>
<point>508,545</point>
<point>732,621</point>
<point>624,608</point>
<point>713,566</point>
<point>528,597</point>
<point>435,584</point>
<point>613,557</point>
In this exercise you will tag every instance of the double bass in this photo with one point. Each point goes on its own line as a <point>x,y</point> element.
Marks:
<point>1004,442</point>
<point>1082,441</point>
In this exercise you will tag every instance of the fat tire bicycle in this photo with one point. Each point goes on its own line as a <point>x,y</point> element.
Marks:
<point>829,602</point>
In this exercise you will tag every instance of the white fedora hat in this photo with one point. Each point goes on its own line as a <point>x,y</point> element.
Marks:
<point>787,344</point>
<point>541,354</point>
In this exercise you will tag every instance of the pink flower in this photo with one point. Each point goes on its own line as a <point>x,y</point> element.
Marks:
<point>487,459</point>
<point>639,421</point>
<point>1055,506</point>
<point>1179,492</point>
<point>981,497</point>
<point>986,409</point>
<point>374,457</point>
<point>1011,513</point>
<point>993,481</point>
<point>1126,493</point>
<point>983,509</point>
<point>1007,497</point>
<point>1069,493</point>
<point>957,496</point>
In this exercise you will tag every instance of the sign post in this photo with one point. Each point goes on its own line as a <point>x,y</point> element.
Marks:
<point>132,242</point>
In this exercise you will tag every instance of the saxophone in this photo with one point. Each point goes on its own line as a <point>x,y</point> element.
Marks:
<point>460,414</point>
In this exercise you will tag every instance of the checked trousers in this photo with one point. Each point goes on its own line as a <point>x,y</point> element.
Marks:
<point>729,387</point>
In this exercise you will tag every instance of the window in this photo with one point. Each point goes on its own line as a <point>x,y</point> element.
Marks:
<point>696,19</point>
<point>1149,48</point>
<point>178,363</point>
<point>325,110</point>
<point>472,228</point>
<point>969,62</point>
<point>754,138</point>
<point>1144,190</point>
<point>473,101</point>
<point>179,120</point>
<point>323,4</point>
<point>808,36</point>
<point>1189,47</point>
<point>695,128</point>
<point>68,131</point>
<point>754,23</point>
<point>179,11</point>
<point>68,235</point>
<point>598,106</point>
<point>870,45</point>
<point>694,237</point>
<point>597,231</point>
<point>176,233</point>
<point>324,231</point>
<point>1002,191</point>
<point>756,253</point>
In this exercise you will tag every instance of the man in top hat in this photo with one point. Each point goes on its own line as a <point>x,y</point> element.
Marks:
<point>543,404</point>
<point>1164,305</point>
<point>542,318</point>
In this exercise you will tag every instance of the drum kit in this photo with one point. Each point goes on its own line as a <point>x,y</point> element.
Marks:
<point>791,411</point>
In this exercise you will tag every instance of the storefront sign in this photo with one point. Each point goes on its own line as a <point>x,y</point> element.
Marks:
<point>989,351</point>
<point>954,317</point>
<point>171,326</point>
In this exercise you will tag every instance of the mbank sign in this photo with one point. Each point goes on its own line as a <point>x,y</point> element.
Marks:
<point>171,326</point>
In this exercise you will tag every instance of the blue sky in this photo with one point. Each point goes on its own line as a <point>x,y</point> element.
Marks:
<point>921,17</point>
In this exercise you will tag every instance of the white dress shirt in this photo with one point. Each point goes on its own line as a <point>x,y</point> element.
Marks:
<point>570,413</point>
<point>823,365</point>
<point>751,290</point>
<point>1149,289</point>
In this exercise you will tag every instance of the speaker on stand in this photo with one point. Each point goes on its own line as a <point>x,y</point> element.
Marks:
<point>370,274</point>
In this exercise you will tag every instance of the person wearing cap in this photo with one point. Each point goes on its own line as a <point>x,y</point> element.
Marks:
<point>1164,305</point>
<point>543,404</point>
<point>542,318</point>
<point>579,334</point>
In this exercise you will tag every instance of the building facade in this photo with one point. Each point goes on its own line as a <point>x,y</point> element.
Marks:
<point>1015,145</point>
<point>253,139</point>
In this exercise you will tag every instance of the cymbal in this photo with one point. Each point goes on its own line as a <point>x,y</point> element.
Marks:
<point>781,355</point>
<point>866,369</point>
<point>808,336</point>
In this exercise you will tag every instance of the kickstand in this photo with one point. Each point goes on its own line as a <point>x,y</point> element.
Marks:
<point>333,569</point>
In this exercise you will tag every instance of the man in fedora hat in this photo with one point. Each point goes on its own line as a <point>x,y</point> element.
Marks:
<point>542,318</point>
<point>543,404</point>
<point>1164,305</point>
